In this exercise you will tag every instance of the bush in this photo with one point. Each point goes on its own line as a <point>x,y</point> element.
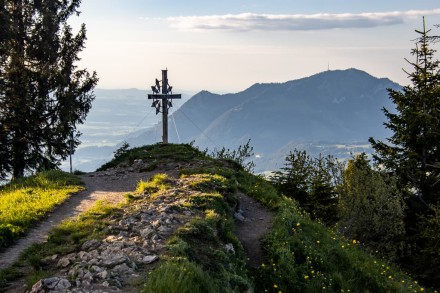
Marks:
<point>372,208</point>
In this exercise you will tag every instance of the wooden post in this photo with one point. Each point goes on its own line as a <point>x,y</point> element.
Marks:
<point>165,106</point>
<point>161,103</point>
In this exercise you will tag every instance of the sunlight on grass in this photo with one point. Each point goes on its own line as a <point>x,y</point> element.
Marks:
<point>24,202</point>
<point>156,184</point>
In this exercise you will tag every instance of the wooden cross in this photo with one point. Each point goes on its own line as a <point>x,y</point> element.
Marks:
<point>163,101</point>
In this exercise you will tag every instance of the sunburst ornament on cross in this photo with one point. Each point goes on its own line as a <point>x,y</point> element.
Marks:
<point>163,100</point>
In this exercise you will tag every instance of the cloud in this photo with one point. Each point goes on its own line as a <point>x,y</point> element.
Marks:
<point>295,22</point>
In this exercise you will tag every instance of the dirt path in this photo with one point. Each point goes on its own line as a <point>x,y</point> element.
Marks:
<point>112,187</point>
<point>99,186</point>
<point>256,223</point>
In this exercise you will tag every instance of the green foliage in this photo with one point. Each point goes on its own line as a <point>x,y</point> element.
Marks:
<point>259,189</point>
<point>412,152</point>
<point>372,208</point>
<point>91,224</point>
<point>25,201</point>
<point>65,238</point>
<point>122,150</point>
<point>156,154</point>
<point>429,261</point>
<point>197,249</point>
<point>241,155</point>
<point>305,256</point>
<point>43,95</point>
<point>156,184</point>
<point>179,277</point>
<point>313,182</point>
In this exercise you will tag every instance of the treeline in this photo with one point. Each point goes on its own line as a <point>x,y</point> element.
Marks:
<point>392,203</point>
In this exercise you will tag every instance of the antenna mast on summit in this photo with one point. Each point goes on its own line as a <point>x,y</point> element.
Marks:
<point>162,101</point>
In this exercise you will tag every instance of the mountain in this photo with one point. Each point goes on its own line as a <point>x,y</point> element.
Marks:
<point>333,110</point>
<point>116,115</point>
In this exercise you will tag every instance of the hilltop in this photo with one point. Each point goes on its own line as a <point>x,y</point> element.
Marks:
<point>332,112</point>
<point>177,232</point>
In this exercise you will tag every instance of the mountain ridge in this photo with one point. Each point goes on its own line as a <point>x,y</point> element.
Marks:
<point>336,106</point>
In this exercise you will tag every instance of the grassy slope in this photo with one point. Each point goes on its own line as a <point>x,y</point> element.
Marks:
<point>302,255</point>
<point>25,201</point>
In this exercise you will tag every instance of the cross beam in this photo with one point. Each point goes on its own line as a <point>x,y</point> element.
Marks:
<point>163,101</point>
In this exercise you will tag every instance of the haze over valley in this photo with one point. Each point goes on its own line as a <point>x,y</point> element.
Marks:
<point>332,112</point>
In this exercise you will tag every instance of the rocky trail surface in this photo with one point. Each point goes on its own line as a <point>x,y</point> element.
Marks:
<point>253,222</point>
<point>106,186</point>
<point>119,262</point>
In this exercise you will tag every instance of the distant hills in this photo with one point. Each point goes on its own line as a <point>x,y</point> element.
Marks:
<point>332,112</point>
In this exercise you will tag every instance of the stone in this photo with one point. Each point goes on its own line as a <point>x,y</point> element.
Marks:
<point>155,224</point>
<point>150,259</point>
<point>145,233</point>
<point>38,287</point>
<point>62,285</point>
<point>84,256</point>
<point>90,244</point>
<point>164,229</point>
<point>52,284</point>
<point>63,262</point>
<point>114,261</point>
<point>230,248</point>
<point>239,217</point>
<point>122,269</point>
<point>103,275</point>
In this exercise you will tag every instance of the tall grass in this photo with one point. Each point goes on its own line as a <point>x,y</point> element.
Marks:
<point>24,202</point>
<point>305,256</point>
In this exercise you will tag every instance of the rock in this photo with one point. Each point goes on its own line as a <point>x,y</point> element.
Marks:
<point>84,256</point>
<point>239,217</point>
<point>155,224</point>
<point>164,229</point>
<point>53,284</point>
<point>38,287</point>
<point>150,259</point>
<point>63,262</point>
<point>90,245</point>
<point>103,275</point>
<point>114,261</point>
<point>230,248</point>
<point>122,269</point>
<point>145,233</point>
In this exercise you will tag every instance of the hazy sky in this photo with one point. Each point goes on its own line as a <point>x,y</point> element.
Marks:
<point>228,45</point>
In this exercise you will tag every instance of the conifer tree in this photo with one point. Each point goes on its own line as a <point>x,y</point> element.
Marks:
<point>413,152</point>
<point>43,95</point>
<point>313,182</point>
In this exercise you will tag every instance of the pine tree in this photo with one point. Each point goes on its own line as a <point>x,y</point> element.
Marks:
<point>313,182</point>
<point>414,150</point>
<point>413,155</point>
<point>43,95</point>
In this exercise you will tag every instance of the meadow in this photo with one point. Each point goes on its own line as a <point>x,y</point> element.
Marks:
<point>26,201</point>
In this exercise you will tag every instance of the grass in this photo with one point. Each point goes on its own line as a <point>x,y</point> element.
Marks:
<point>157,154</point>
<point>66,238</point>
<point>302,255</point>
<point>305,256</point>
<point>26,201</point>
<point>197,260</point>
<point>151,187</point>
